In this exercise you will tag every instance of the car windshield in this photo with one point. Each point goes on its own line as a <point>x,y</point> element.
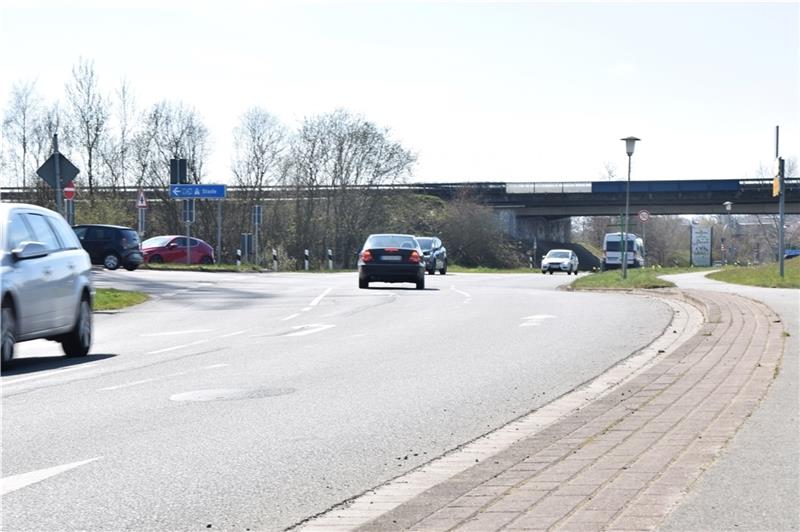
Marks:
<point>425,243</point>
<point>558,255</point>
<point>156,242</point>
<point>616,245</point>
<point>390,241</point>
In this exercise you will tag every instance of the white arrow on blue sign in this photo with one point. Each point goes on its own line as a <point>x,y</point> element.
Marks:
<point>197,191</point>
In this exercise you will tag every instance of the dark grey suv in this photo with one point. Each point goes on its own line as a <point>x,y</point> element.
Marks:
<point>45,278</point>
<point>435,254</point>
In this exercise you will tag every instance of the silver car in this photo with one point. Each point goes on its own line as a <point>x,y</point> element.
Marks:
<point>560,260</point>
<point>45,277</point>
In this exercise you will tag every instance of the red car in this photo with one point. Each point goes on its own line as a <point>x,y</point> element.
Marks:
<point>172,248</point>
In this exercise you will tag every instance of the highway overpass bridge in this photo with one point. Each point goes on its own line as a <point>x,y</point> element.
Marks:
<point>543,210</point>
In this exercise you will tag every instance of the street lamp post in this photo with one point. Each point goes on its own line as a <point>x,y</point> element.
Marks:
<point>728,206</point>
<point>630,142</point>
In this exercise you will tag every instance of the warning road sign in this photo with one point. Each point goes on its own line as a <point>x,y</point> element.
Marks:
<point>141,203</point>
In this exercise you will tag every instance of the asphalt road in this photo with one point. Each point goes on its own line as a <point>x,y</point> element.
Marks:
<point>253,401</point>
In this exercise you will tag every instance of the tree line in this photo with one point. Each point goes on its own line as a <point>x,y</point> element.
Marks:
<point>332,164</point>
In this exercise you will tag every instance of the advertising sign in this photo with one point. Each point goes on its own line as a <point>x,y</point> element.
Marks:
<point>701,245</point>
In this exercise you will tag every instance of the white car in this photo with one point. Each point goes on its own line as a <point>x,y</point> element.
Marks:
<point>560,260</point>
<point>45,278</point>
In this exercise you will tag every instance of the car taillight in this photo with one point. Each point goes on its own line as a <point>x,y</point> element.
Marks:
<point>414,257</point>
<point>366,256</point>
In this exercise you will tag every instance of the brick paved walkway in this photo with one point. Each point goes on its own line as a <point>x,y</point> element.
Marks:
<point>624,461</point>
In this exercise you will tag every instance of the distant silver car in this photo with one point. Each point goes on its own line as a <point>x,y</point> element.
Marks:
<point>45,278</point>
<point>560,260</point>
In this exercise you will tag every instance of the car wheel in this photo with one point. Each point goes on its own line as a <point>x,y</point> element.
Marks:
<point>550,272</point>
<point>131,267</point>
<point>421,283</point>
<point>363,283</point>
<point>111,261</point>
<point>443,270</point>
<point>9,334</point>
<point>206,260</point>
<point>77,342</point>
<point>156,259</point>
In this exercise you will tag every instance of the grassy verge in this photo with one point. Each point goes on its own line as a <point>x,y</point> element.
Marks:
<point>637,278</point>
<point>766,275</point>
<point>113,299</point>
<point>203,267</point>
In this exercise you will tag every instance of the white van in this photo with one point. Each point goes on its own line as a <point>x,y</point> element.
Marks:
<point>612,251</point>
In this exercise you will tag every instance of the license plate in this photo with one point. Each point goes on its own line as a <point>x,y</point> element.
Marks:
<point>391,257</point>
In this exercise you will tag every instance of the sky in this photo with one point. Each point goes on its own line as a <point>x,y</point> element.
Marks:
<point>479,91</point>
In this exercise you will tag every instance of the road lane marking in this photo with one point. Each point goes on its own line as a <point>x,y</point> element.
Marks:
<point>177,347</point>
<point>319,297</point>
<point>536,319</point>
<point>214,366</point>
<point>312,328</point>
<point>134,383</point>
<point>170,333</point>
<point>305,309</point>
<point>454,289</point>
<point>287,318</point>
<point>234,333</point>
<point>54,373</point>
<point>16,482</point>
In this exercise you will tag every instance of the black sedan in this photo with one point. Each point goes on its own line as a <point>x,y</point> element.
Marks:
<point>391,258</point>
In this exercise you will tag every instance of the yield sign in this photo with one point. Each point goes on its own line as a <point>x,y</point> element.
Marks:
<point>141,203</point>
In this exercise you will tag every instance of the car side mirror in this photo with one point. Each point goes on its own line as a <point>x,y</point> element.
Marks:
<point>29,250</point>
<point>172,245</point>
<point>544,257</point>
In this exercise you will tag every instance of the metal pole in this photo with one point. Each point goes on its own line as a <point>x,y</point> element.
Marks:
<point>56,158</point>
<point>188,236</point>
<point>255,244</point>
<point>219,231</point>
<point>625,235</point>
<point>781,215</point>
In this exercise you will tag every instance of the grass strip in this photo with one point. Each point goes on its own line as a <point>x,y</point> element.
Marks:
<point>171,266</point>
<point>766,275</point>
<point>113,299</point>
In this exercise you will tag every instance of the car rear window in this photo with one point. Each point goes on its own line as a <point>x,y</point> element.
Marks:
<point>616,245</point>
<point>130,235</point>
<point>156,242</point>
<point>425,243</point>
<point>390,241</point>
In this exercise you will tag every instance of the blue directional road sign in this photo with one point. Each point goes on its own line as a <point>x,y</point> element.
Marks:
<point>197,191</point>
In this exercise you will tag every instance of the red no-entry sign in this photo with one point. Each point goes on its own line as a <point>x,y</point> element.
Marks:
<point>69,190</point>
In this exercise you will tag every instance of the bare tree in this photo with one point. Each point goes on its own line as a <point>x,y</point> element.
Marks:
<point>89,115</point>
<point>18,124</point>
<point>117,149</point>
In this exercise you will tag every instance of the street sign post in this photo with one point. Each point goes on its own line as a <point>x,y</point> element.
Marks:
<point>256,225</point>
<point>57,169</point>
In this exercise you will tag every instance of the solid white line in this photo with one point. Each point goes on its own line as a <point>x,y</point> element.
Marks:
<point>287,318</point>
<point>234,333</point>
<point>311,329</point>
<point>15,482</point>
<point>319,297</point>
<point>176,347</point>
<point>305,309</point>
<point>54,373</point>
<point>170,333</point>
<point>127,385</point>
<point>214,366</point>
<point>453,288</point>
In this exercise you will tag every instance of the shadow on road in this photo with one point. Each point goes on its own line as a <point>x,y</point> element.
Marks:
<point>410,289</point>
<point>21,366</point>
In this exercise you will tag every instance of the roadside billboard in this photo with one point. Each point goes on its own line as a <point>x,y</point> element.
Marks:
<point>701,245</point>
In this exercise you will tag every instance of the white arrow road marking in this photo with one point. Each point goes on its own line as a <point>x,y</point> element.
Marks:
<point>319,297</point>
<point>15,482</point>
<point>170,333</point>
<point>304,330</point>
<point>536,319</point>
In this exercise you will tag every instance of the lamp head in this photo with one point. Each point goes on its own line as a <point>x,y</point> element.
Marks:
<point>728,205</point>
<point>630,142</point>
